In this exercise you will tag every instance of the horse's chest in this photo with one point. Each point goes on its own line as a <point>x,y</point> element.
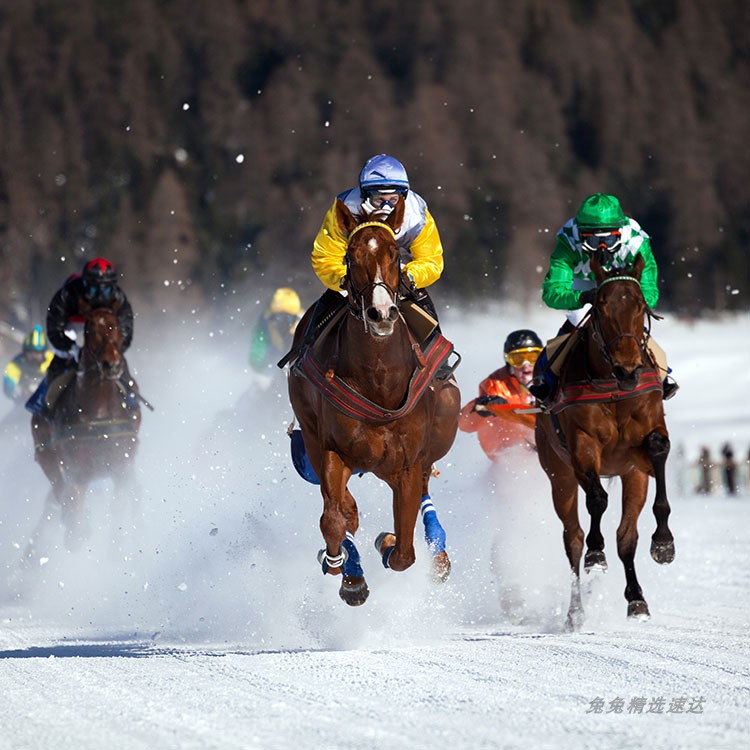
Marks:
<point>392,446</point>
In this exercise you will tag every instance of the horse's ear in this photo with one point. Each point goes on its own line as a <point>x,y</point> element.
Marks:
<point>346,221</point>
<point>596,268</point>
<point>396,217</point>
<point>638,266</point>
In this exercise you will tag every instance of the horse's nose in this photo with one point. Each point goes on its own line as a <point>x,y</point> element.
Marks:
<point>378,314</point>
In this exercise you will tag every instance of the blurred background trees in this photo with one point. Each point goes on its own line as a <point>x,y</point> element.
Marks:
<point>198,144</point>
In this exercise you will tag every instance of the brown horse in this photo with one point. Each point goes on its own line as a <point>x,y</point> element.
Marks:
<point>92,433</point>
<point>381,414</point>
<point>608,420</point>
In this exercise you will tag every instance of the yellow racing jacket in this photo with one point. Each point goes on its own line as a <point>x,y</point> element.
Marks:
<point>418,240</point>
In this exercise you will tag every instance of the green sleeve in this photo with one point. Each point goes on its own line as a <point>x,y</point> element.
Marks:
<point>258,347</point>
<point>650,275</point>
<point>557,288</point>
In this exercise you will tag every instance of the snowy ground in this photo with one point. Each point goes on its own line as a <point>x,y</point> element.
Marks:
<point>214,628</point>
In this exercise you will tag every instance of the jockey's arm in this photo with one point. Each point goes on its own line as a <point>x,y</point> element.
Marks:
<point>125,319</point>
<point>426,250</point>
<point>329,249</point>
<point>649,276</point>
<point>58,315</point>
<point>557,287</point>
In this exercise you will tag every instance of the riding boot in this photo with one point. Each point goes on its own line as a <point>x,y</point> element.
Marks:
<point>670,388</point>
<point>326,307</point>
<point>544,383</point>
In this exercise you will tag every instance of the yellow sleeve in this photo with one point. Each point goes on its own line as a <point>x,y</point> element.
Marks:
<point>329,249</point>
<point>49,355</point>
<point>427,253</point>
<point>13,372</point>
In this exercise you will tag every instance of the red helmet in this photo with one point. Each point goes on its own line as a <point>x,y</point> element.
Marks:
<point>99,280</point>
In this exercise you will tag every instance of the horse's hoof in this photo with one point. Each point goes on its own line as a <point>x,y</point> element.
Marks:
<point>638,610</point>
<point>441,567</point>
<point>594,560</point>
<point>662,552</point>
<point>354,591</point>
<point>574,621</point>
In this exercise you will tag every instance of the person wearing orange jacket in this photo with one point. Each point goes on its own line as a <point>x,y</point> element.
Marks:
<point>491,414</point>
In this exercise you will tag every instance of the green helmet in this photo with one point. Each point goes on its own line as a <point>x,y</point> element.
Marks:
<point>600,211</point>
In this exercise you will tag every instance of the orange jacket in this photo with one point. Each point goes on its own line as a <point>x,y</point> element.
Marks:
<point>496,433</point>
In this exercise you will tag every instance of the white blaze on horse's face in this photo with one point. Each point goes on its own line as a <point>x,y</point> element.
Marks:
<point>382,312</point>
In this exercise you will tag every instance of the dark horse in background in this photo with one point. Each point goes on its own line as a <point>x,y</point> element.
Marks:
<point>608,420</point>
<point>367,401</point>
<point>92,432</point>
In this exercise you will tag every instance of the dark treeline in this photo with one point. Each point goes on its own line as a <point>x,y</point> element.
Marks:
<point>199,144</point>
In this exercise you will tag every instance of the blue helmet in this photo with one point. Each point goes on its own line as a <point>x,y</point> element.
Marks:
<point>381,172</point>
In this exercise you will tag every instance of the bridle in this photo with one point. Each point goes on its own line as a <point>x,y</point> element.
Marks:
<point>605,346</point>
<point>357,295</point>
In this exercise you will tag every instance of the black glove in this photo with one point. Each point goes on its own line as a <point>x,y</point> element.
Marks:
<point>481,402</point>
<point>587,297</point>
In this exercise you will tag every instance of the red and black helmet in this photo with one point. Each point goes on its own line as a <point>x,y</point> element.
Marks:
<point>99,280</point>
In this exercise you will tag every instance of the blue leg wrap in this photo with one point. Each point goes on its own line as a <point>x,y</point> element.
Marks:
<point>352,565</point>
<point>36,403</point>
<point>300,460</point>
<point>434,533</point>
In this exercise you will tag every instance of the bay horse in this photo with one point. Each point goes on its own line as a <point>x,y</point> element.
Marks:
<point>608,420</point>
<point>92,433</point>
<point>367,400</point>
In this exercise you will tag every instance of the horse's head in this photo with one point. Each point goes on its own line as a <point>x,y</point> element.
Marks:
<point>618,320</point>
<point>102,347</point>
<point>373,267</point>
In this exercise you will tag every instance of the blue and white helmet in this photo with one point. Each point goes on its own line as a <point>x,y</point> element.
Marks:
<point>381,172</point>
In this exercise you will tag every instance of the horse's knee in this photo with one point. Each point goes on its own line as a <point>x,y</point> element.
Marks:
<point>596,496</point>
<point>657,446</point>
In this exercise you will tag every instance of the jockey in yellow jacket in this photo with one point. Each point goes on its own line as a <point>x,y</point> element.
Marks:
<point>382,181</point>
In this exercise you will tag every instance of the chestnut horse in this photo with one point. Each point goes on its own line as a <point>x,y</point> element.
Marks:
<point>373,363</point>
<point>608,420</point>
<point>92,433</point>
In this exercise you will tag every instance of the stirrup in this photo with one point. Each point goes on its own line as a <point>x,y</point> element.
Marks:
<point>670,388</point>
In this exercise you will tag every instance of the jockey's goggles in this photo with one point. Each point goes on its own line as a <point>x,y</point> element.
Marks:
<point>378,199</point>
<point>518,357</point>
<point>94,291</point>
<point>608,240</point>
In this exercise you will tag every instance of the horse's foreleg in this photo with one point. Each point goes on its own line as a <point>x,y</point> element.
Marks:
<point>596,504</point>
<point>565,497</point>
<point>338,524</point>
<point>662,542</point>
<point>333,479</point>
<point>76,523</point>
<point>398,553</point>
<point>634,490</point>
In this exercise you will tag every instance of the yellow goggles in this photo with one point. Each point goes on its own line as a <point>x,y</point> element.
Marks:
<point>517,357</point>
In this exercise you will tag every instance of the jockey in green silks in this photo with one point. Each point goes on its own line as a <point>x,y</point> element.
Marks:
<point>601,227</point>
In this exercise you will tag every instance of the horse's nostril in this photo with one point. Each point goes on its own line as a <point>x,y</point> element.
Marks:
<point>393,313</point>
<point>372,314</point>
